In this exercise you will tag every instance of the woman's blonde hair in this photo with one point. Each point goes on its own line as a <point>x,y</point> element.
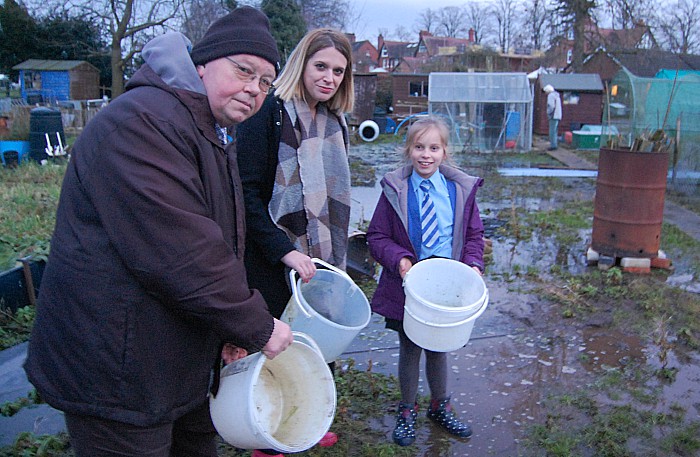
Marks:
<point>418,129</point>
<point>290,82</point>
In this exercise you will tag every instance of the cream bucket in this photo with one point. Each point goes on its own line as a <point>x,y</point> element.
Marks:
<point>287,403</point>
<point>443,299</point>
<point>443,290</point>
<point>440,337</point>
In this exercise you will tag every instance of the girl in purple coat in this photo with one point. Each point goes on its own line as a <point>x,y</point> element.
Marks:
<point>397,241</point>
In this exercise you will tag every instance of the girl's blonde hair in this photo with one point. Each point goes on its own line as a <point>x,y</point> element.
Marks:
<point>418,129</point>
<point>290,82</point>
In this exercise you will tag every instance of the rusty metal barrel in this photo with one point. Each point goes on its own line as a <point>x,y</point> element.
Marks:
<point>629,203</point>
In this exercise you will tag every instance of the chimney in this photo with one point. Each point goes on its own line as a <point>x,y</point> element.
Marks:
<point>472,35</point>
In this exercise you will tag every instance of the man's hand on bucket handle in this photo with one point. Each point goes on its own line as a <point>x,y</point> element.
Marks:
<point>280,340</point>
<point>231,353</point>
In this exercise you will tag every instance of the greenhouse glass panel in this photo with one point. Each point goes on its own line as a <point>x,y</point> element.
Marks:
<point>670,102</point>
<point>485,111</point>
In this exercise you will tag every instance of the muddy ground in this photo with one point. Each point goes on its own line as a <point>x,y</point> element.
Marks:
<point>527,351</point>
<point>551,358</point>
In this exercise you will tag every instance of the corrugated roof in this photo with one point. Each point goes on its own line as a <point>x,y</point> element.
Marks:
<point>50,65</point>
<point>479,87</point>
<point>647,62</point>
<point>573,81</point>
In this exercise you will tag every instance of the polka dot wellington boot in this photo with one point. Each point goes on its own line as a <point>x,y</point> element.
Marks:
<point>405,431</point>
<point>441,413</point>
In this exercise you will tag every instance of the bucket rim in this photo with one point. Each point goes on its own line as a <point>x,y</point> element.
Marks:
<point>256,363</point>
<point>279,445</point>
<point>468,271</point>
<point>299,298</point>
<point>472,317</point>
<point>450,309</point>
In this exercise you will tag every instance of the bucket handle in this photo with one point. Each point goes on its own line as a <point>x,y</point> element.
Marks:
<point>332,268</point>
<point>295,293</point>
<point>304,338</point>
<point>293,282</point>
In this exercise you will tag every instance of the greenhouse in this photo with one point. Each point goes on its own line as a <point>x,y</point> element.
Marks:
<point>670,102</point>
<point>486,111</point>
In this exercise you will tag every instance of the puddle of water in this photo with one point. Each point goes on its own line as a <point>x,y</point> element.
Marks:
<point>538,254</point>
<point>604,349</point>
<point>548,172</point>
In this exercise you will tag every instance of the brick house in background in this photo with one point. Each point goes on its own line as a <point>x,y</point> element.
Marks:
<point>560,55</point>
<point>391,52</point>
<point>364,55</point>
<point>430,46</point>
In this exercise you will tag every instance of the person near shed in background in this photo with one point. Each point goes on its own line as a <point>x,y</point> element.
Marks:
<point>293,160</point>
<point>144,292</point>
<point>553,114</point>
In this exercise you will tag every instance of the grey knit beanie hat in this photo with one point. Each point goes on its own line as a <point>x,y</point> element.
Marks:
<point>245,30</point>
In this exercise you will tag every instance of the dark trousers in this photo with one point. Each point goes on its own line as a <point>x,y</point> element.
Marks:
<point>192,435</point>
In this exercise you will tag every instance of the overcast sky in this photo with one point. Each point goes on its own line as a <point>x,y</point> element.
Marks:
<point>388,14</point>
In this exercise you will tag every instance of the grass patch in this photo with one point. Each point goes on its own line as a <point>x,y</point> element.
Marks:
<point>363,398</point>
<point>28,214</point>
<point>10,408</point>
<point>15,327</point>
<point>577,426</point>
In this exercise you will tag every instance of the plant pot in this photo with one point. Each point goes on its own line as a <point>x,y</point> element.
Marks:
<point>13,152</point>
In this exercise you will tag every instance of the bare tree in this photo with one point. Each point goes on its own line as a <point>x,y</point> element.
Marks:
<point>478,18</point>
<point>402,33</point>
<point>199,16</point>
<point>427,20</point>
<point>535,20</point>
<point>505,14</point>
<point>326,13</point>
<point>127,25</point>
<point>626,14</point>
<point>451,21</point>
<point>680,27</point>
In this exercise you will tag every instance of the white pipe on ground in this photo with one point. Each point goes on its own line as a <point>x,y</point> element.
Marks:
<point>369,130</point>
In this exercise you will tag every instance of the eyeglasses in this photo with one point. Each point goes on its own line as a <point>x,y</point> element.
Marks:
<point>248,75</point>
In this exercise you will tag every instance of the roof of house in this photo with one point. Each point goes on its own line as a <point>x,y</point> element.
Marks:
<point>50,65</point>
<point>357,45</point>
<point>648,62</point>
<point>445,45</point>
<point>398,49</point>
<point>587,82</point>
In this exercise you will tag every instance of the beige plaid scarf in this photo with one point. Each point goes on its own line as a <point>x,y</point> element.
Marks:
<point>311,196</point>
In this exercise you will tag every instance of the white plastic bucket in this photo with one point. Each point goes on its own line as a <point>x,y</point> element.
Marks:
<point>287,403</point>
<point>440,337</point>
<point>330,308</point>
<point>443,291</point>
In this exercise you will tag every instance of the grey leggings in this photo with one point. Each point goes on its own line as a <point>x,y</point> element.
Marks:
<point>409,367</point>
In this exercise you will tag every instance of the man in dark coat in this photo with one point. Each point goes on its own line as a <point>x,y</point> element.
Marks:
<point>145,282</point>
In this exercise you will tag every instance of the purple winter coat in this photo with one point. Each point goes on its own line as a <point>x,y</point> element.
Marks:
<point>389,231</point>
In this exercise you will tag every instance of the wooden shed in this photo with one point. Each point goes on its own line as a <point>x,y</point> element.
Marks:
<point>365,97</point>
<point>58,80</point>
<point>581,101</point>
<point>410,93</point>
